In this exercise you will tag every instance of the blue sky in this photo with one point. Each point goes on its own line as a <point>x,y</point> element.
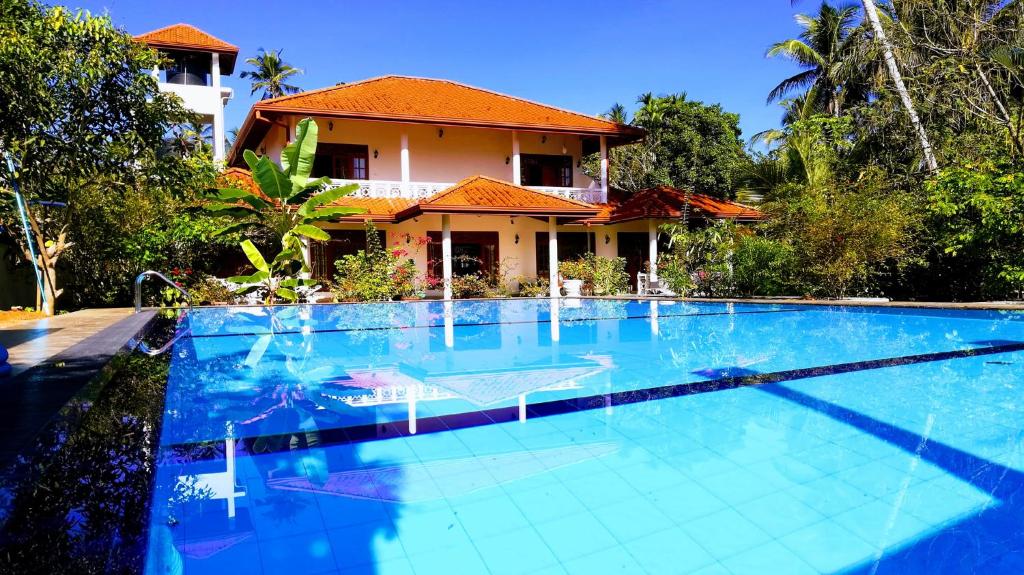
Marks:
<point>583,56</point>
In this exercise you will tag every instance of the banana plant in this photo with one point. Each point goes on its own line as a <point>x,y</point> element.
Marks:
<point>290,204</point>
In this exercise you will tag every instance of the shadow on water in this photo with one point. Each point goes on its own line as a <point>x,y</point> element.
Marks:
<point>991,541</point>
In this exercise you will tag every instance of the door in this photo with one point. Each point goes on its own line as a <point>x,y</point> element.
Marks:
<point>472,252</point>
<point>633,247</point>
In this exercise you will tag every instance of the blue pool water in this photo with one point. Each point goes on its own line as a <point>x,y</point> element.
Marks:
<point>594,436</point>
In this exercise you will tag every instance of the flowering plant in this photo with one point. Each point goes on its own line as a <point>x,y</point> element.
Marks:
<point>376,274</point>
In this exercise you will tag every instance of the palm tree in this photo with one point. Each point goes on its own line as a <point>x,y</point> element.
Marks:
<point>901,89</point>
<point>617,113</point>
<point>270,74</point>
<point>827,51</point>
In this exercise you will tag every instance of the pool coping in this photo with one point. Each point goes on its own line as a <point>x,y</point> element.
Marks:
<point>782,300</point>
<point>37,396</point>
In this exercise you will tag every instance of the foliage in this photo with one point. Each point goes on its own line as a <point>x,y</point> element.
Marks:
<point>844,178</point>
<point>978,214</point>
<point>762,266</point>
<point>828,51</point>
<point>601,276</point>
<point>533,287</point>
<point>375,274</point>
<point>476,285</point>
<point>209,291</point>
<point>699,260</point>
<point>289,205</point>
<point>271,74</point>
<point>85,123</point>
<point>842,237</point>
<point>689,145</point>
<point>79,502</point>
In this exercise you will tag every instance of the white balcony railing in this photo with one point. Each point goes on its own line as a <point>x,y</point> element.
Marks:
<point>590,195</point>
<point>421,190</point>
<point>392,189</point>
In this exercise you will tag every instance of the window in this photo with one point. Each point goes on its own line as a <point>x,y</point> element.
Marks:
<point>341,161</point>
<point>544,170</point>
<point>188,68</point>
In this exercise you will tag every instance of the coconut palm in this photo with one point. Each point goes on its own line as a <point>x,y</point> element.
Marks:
<point>827,50</point>
<point>617,113</point>
<point>270,73</point>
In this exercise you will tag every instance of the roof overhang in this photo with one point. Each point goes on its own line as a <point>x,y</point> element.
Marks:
<point>418,210</point>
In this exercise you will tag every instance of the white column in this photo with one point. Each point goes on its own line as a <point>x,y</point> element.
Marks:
<point>522,408</point>
<point>449,324</point>
<point>229,458</point>
<point>553,255</point>
<point>446,254</point>
<point>654,318</point>
<point>604,168</point>
<point>516,173</point>
<point>405,162</point>
<point>555,327</point>
<point>652,236</point>
<point>218,114</point>
<point>410,395</point>
<point>156,72</point>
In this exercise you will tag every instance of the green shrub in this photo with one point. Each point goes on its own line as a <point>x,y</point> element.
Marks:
<point>601,276</point>
<point>762,266</point>
<point>375,274</point>
<point>476,285</point>
<point>699,260</point>
<point>533,287</point>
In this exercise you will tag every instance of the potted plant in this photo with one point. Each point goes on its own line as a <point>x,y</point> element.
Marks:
<point>575,274</point>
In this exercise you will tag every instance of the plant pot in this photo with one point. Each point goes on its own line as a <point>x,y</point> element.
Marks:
<point>573,288</point>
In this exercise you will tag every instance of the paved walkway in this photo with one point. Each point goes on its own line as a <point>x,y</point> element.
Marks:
<point>53,360</point>
<point>33,342</point>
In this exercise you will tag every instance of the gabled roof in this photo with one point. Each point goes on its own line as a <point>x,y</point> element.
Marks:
<point>428,101</point>
<point>188,38</point>
<point>483,195</point>
<point>666,202</point>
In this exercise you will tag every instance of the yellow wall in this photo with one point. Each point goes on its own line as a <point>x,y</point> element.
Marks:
<point>517,259</point>
<point>457,154</point>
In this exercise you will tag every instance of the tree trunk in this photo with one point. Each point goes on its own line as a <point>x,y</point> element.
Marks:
<point>894,72</point>
<point>46,260</point>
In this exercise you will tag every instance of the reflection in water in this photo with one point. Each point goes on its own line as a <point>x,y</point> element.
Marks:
<point>361,448</point>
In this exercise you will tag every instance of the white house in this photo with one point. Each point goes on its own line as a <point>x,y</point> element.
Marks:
<point>482,174</point>
<point>199,61</point>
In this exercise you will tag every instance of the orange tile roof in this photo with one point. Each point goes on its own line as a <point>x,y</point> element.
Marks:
<point>483,195</point>
<point>439,101</point>
<point>666,202</point>
<point>380,210</point>
<point>427,101</point>
<point>189,38</point>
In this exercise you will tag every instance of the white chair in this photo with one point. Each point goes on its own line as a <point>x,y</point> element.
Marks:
<point>647,286</point>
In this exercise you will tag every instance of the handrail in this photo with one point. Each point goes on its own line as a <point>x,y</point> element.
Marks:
<point>138,288</point>
<point>143,347</point>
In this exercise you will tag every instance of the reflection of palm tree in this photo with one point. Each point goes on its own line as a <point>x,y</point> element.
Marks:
<point>270,73</point>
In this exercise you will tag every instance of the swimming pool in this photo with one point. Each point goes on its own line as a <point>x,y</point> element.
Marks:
<point>592,436</point>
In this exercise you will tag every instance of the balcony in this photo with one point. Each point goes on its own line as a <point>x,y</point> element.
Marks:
<point>421,190</point>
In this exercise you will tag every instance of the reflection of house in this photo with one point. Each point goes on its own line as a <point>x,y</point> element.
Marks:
<point>482,388</point>
<point>197,62</point>
<point>493,177</point>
